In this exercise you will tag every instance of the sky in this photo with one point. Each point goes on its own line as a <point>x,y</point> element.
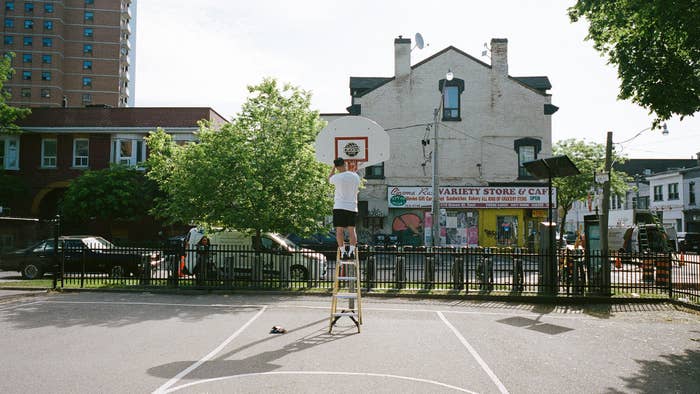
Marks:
<point>205,53</point>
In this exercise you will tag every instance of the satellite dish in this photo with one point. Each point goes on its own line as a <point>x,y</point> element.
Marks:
<point>419,41</point>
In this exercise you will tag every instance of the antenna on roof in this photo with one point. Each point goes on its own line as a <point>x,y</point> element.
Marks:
<point>486,51</point>
<point>419,42</point>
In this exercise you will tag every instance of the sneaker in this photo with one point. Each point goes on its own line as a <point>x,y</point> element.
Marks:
<point>343,255</point>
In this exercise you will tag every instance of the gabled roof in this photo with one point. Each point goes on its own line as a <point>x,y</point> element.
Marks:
<point>359,86</point>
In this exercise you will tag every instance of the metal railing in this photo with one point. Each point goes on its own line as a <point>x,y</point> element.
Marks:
<point>455,270</point>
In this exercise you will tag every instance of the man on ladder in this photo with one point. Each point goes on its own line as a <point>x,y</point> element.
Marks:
<point>347,184</point>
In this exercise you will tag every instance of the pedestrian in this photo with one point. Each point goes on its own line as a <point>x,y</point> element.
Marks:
<point>347,185</point>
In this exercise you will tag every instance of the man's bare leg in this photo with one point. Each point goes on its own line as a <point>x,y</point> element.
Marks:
<point>340,238</point>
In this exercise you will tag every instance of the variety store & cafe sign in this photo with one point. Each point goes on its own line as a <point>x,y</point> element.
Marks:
<point>471,197</point>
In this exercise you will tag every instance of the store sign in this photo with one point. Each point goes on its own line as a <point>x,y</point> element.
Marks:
<point>471,197</point>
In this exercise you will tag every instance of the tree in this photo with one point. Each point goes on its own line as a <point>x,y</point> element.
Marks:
<point>588,158</point>
<point>656,46</point>
<point>116,193</point>
<point>257,173</point>
<point>8,115</point>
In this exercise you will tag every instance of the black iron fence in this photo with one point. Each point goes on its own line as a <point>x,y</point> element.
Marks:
<point>456,270</point>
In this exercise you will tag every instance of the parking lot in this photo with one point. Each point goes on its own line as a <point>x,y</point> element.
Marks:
<point>143,342</point>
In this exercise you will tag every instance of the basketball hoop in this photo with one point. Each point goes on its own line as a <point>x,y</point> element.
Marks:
<point>359,141</point>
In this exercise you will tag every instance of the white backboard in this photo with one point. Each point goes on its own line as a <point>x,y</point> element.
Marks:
<point>354,138</point>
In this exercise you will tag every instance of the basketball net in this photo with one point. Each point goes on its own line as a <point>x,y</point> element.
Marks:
<point>351,164</point>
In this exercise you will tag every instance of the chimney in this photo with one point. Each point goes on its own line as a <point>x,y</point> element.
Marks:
<point>402,57</point>
<point>499,55</point>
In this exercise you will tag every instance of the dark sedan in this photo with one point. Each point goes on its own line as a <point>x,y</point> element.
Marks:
<point>324,243</point>
<point>78,254</point>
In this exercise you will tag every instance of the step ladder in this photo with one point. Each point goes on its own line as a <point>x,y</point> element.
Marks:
<point>346,286</point>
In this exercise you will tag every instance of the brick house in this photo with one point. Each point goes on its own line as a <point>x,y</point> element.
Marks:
<point>59,144</point>
<point>490,123</point>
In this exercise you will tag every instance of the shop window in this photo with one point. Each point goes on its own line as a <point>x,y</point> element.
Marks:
<point>527,149</point>
<point>507,231</point>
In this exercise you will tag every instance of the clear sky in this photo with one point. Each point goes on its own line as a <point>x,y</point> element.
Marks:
<point>205,53</point>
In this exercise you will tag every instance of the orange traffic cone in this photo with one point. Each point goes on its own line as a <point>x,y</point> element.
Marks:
<point>182,267</point>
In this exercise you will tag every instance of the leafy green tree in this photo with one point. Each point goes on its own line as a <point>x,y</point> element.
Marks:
<point>9,115</point>
<point>257,173</point>
<point>655,45</point>
<point>116,193</point>
<point>589,158</point>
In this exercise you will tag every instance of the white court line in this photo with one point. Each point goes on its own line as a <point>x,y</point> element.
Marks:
<point>209,356</point>
<point>19,306</point>
<point>380,375</point>
<point>153,304</point>
<point>476,356</point>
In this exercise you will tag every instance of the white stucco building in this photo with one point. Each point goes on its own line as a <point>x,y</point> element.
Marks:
<point>490,123</point>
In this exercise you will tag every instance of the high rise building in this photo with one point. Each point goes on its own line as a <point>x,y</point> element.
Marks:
<point>70,52</point>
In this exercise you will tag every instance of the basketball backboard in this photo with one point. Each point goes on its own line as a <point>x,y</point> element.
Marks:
<point>358,140</point>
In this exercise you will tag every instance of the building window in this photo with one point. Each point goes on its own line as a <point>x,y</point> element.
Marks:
<point>9,23</point>
<point>527,150</point>
<point>128,151</point>
<point>9,40</point>
<point>375,172</point>
<point>9,152</point>
<point>48,25</point>
<point>451,92</point>
<point>81,149</point>
<point>46,59</point>
<point>26,92</point>
<point>47,42</point>
<point>28,6</point>
<point>48,153</point>
<point>48,8</point>
<point>673,191</point>
<point>26,75</point>
<point>89,2</point>
<point>46,75</point>
<point>87,82</point>
<point>9,6</point>
<point>89,16</point>
<point>45,93</point>
<point>87,64</point>
<point>27,58</point>
<point>88,32</point>
<point>691,193</point>
<point>28,24</point>
<point>87,98</point>
<point>87,49</point>
<point>658,193</point>
<point>28,41</point>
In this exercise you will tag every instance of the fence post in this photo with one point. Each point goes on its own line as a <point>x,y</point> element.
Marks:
<point>518,270</point>
<point>56,233</point>
<point>399,272</point>
<point>457,270</point>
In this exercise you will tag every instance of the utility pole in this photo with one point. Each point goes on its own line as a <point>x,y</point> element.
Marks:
<point>605,285</point>
<point>436,181</point>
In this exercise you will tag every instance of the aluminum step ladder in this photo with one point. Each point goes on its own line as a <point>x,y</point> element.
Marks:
<point>346,286</point>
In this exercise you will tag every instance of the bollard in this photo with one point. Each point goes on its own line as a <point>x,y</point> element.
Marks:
<point>457,270</point>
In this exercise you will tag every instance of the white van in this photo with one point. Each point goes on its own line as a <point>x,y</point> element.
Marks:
<point>234,256</point>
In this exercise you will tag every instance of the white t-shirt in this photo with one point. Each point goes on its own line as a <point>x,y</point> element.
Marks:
<point>346,185</point>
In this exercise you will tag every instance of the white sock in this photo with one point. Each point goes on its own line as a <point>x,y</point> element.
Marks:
<point>352,249</point>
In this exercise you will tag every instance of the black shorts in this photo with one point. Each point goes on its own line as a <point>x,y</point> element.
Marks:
<point>343,218</point>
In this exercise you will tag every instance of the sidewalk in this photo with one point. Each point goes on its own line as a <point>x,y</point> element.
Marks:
<point>12,294</point>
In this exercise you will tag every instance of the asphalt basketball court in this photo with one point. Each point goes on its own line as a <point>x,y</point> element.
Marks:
<point>126,342</point>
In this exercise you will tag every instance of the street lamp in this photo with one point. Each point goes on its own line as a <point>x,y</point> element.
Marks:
<point>436,177</point>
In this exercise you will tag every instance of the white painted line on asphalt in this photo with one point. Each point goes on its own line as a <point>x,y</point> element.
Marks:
<point>19,306</point>
<point>474,354</point>
<point>209,356</point>
<point>380,375</point>
<point>154,304</point>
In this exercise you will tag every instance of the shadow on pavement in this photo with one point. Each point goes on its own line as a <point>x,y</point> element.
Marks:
<point>672,373</point>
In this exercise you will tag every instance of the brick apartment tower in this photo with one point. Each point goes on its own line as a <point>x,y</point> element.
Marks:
<point>70,52</point>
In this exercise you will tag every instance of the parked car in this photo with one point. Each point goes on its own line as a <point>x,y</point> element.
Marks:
<point>92,253</point>
<point>689,242</point>
<point>324,243</point>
